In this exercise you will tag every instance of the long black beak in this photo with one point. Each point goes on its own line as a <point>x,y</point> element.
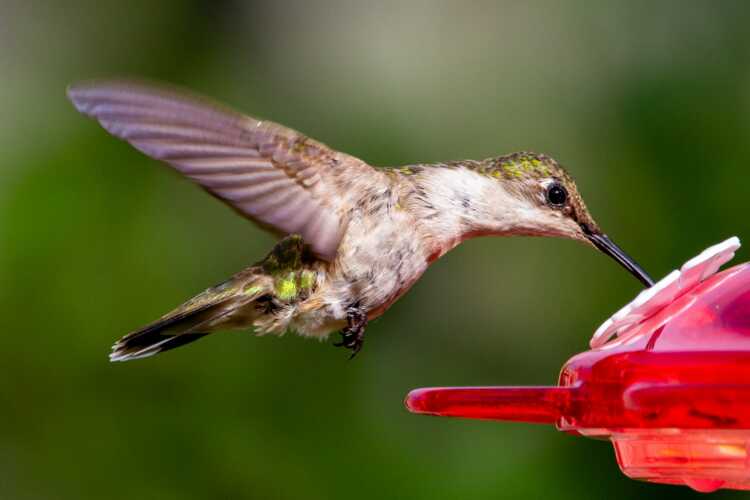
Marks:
<point>603,243</point>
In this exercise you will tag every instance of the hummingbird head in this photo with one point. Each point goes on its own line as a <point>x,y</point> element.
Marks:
<point>546,202</point>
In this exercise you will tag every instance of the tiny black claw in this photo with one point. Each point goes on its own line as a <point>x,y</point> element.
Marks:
<point>351,340</point>
<point>348,338</point>
<point>356,348</point>
<point>353,336</point>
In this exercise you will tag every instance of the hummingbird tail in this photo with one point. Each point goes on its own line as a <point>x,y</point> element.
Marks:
<point>254,297</point>
<point>173,330</point>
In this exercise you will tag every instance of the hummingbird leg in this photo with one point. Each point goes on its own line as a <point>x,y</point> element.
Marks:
<point>353,336</point>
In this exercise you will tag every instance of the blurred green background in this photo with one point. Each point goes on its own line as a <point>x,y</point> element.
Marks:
<point>647,104</point>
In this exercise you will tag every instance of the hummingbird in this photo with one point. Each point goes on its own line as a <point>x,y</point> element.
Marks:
<point>353,238</point>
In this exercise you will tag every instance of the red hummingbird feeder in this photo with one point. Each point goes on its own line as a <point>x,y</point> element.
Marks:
<point>671,390</point>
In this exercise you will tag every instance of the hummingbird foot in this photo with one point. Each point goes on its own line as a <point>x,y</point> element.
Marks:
<point>353,336</point>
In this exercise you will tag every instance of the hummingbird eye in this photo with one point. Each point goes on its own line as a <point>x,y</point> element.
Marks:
<point>556,194</point>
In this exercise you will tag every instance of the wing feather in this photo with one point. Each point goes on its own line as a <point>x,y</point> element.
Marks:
<point>269,173</point>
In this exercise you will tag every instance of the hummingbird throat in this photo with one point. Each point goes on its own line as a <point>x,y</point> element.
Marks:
<point>461,203</point>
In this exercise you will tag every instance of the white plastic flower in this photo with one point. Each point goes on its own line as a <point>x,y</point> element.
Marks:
<point>654,299</point>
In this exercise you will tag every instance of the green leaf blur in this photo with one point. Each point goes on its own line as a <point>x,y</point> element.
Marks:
<point>647,104</point>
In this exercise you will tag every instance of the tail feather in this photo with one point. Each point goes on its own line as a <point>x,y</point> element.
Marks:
<point>226,305</point>
<point>167,333</point>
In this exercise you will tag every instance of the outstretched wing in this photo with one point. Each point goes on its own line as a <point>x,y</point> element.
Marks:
<point>269,173</point>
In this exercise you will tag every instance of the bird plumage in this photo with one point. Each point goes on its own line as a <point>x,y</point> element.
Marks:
<point>359,236</point>
<point>268,173</point>
<point>257,296</point>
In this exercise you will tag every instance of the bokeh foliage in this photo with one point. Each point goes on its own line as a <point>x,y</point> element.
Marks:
<point>648,105</point>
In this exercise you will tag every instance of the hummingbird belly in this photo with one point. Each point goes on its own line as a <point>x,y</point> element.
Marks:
<point>379,259</point>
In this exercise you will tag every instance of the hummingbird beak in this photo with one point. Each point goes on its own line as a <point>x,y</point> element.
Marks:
<point>607,246</point>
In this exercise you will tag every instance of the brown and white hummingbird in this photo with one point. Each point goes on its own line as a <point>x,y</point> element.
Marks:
<point>356,237</point>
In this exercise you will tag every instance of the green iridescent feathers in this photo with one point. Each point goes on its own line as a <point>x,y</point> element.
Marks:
<point>281,279</point>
